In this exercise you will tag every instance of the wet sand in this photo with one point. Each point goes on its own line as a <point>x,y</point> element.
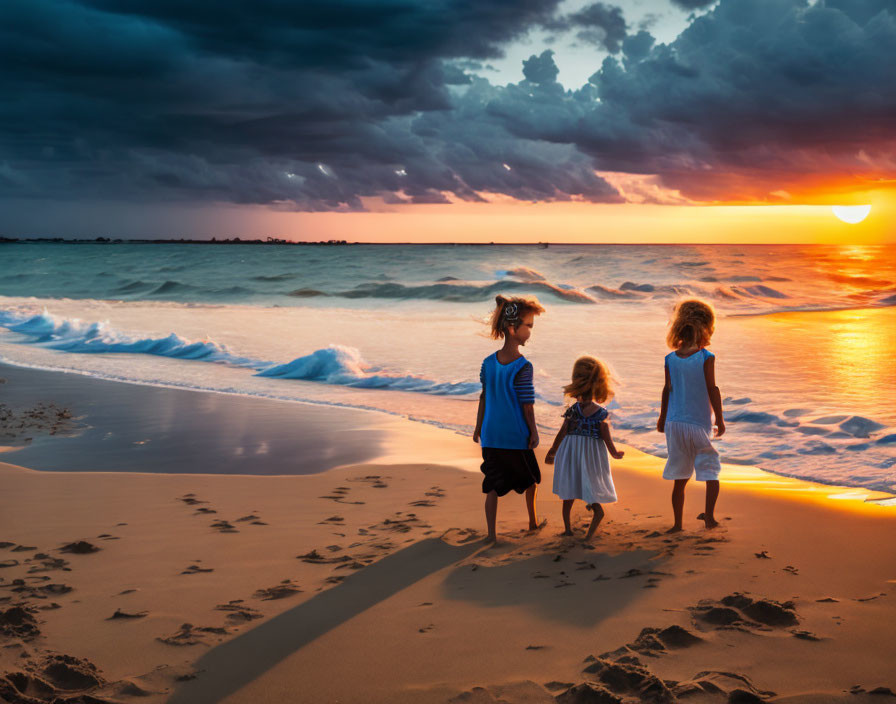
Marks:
<point>118,427</point>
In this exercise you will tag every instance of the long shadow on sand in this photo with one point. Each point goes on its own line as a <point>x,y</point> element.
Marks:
<point>232,665</point>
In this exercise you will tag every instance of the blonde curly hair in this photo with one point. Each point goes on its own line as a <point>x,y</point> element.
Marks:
<point>509,311</point>
<point>693,323</point>
<point>590,379</point>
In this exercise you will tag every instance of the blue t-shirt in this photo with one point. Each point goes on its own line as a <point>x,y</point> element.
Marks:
<point>688,398</point>
<point>507,387</point>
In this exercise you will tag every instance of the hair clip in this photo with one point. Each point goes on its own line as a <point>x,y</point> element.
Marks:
<point>511,314</point>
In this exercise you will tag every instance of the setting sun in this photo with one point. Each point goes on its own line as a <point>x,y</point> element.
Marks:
<point>851,214</point>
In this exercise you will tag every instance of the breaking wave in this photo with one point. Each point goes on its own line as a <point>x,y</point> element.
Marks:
<point>335,364</point>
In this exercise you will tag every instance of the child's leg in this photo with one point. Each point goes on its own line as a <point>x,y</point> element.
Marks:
<point>491,515</point>
<point>678,504</point>
<point>530,506</point>
<point>595,520</point>
<point>712,493</point>
<point>567,509</point>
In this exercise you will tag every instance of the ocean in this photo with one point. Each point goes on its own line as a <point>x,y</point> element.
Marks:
<point>805,338</point>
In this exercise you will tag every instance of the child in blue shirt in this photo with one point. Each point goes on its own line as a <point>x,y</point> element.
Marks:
<point>505,422</point>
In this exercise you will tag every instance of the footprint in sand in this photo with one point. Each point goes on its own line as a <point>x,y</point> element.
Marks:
<point>18,622</point>
<point>79,547</point>
<point>745,613</point>
<point>805,635</point>
<point>188,634</point>
<point>224,527</point>
<point>280,591</point>
<point>196,569</point>
<point>871,598</point>
<point>339,495</point>
<point>375,480</point>
<point>238,612</point>
<point>124,615</point>
<point>459,536</point>
<point>401,524</point>
<point>315,558</point>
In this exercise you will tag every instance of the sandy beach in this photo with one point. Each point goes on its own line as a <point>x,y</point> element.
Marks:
<point>369,582</point>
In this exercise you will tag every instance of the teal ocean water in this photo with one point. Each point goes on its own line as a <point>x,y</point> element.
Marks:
<point>806,337</point>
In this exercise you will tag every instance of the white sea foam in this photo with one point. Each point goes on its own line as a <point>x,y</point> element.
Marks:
<point>335,364</point>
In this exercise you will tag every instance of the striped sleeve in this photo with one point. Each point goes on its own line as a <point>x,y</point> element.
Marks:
<point>522,383</point>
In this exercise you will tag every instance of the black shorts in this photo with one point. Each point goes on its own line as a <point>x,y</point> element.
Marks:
<point>507,470</point>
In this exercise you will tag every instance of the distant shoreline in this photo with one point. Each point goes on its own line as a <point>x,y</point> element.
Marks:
<point>271,241</point>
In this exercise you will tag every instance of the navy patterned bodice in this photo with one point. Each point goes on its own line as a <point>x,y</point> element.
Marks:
<point>580,424</point>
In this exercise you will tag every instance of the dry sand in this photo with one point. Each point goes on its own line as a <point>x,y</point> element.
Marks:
<point>369,583</point>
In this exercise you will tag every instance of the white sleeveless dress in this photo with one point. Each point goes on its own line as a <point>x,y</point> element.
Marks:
<point>582,463</point>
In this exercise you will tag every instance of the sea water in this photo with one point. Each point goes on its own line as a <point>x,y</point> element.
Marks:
<point>805,338</point>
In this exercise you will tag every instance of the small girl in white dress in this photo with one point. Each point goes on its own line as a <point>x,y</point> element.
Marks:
<point>579,452</point>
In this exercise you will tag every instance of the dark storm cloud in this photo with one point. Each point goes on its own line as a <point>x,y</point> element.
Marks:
<point>637,46</point>
<point>755,97</point>
<point>693,4</point>
<point>318,104</point>
<point>597,23</point>
<point>602,24</point>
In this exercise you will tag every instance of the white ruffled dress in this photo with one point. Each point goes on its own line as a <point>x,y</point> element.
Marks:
<point>582,463</point>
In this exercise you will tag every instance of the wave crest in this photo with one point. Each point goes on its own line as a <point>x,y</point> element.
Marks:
<point>342,365</point>
<point>463,292</point>
<point>335,364</point>
<point>73,335</point>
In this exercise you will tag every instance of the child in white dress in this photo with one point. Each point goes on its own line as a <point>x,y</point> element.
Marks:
<point>579,452</point>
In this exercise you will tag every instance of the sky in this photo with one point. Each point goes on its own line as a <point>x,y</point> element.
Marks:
<point>449,120</point>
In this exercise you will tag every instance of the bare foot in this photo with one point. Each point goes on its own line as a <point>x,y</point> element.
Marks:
<point>490,539</point>
<point>538,526</point>
<point>567,532</point>
<point>589,536</point>
<point>674,529</point>
<point>710,523</point>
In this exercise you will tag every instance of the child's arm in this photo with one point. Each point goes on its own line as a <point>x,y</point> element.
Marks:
<point>525,394</point>
<point>608,441</point>
<point>715,396</point>
<point>549,458</point>
<point>664,405</point>
<point>529,415</point>
<point>480,414</point>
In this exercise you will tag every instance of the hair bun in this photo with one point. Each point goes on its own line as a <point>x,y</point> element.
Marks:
<point>499,299</point>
